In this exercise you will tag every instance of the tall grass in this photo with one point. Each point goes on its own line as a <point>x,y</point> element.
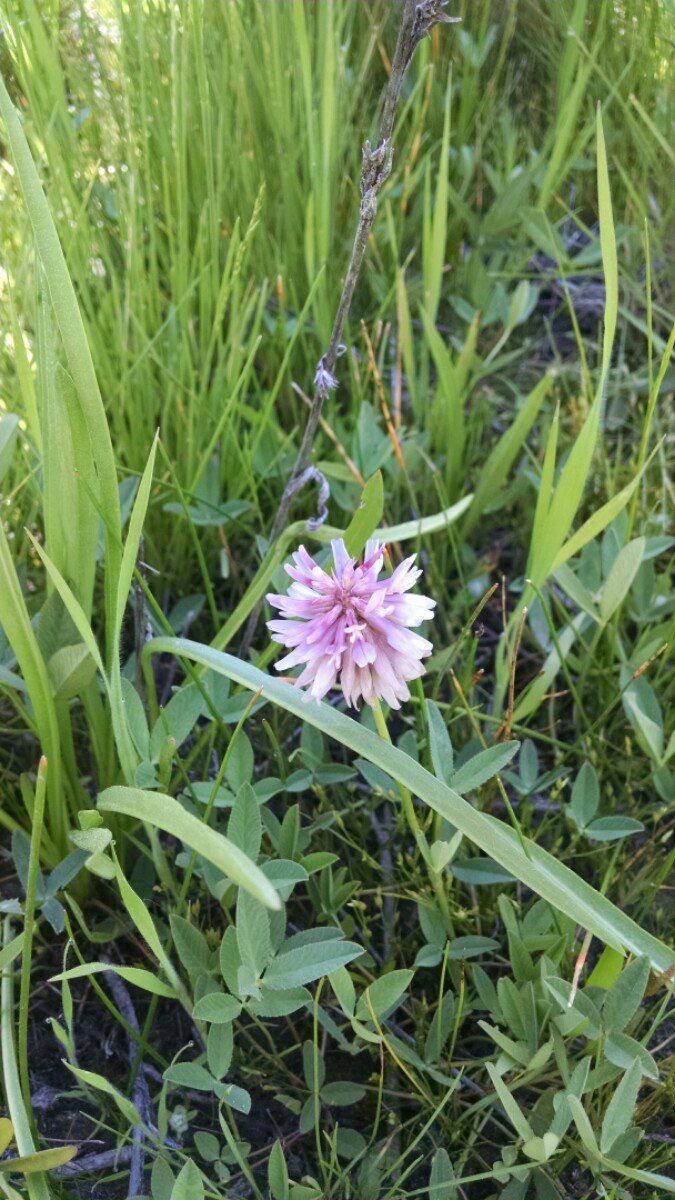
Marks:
<point>182,179</point>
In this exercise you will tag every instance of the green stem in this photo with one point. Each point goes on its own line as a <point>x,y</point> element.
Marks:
<point>435,877</point>
<point>29,927</point>
<point>36,1185</point>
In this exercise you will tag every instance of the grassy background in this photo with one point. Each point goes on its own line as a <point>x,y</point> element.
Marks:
<point>201,164</point>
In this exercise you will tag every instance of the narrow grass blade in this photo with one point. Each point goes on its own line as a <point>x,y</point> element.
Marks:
<point>36,1185</point>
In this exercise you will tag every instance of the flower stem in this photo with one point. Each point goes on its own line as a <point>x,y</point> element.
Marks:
<point>435,877</point>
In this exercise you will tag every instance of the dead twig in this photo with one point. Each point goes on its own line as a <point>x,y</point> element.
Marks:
<point>141,1092</point>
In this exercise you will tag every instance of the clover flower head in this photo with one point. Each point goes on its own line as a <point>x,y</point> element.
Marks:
<point>350,628</point>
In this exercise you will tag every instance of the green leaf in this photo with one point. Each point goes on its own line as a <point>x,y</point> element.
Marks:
<point>217,1008</point>
<point>367,516</point>
<point>341,983</point>
<point>621,1050</point>
<point>279,1004</point>
<point>623,1001</point>
<point>190,1075</point>
<point>70,670</point>
<point>73,336</point>
<point>541,872</point>
<point>342,1094</point>
<point>42,1160</point>
<point>253,934</point>
<point>190,1183</point>
<point>191,946</point>
<point>607,969</point>
<point>501,458</point>
<point>513,1112</point>
<point>480,871</point>
<point>177,720</point>
<point>483,766</point>
<point>471,946</point>
<point>166,813</point>
<point>9,425</point>
<point>583,1125</point>
<point>609,829</point>
<point>383,995</point>
<point>608,247</point>
<point>138,976</point>
<point>440,746</point>
<point>100,1084</point>
<point>620,578</point>
<point>219,1049</point>
<point>10,951</point>
<point>620,1109</point>
<point>277,1173</point>
<point>585,795</point>
<point>244,827</point>
<point>304,964</point>
<point>442,1173</point>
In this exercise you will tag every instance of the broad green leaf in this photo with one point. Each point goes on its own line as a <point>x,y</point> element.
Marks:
<point>341,983</point>
<point>277,1173</point>
<point>42,1160</point>
<point>217,1007</point>
<point>191,946</point>
<point>190,1183</point>
<point>542,872</point>
<point>607,969</point>
<point>190,1075</point>
<point>471,946</point>
<point>72,604</point>
<point>219,1048</point>
<point>442,1174</point>
<point>440,746</point>
<point>644,713</point>
<point>177,720</point>
<point>244,827</point>
<point>253,933</point>
<point>304,964</point>
<point>621,575</point>
<point>383,995</point>
<point>483,766</point>
<point>620,1109</point>
<point>367,516</point>
<point>342,1094</point>
<point>623,999</point>
<point>610,829</point>
<point>70,670</point>
<point>166,813</point>
<point>585,797</point>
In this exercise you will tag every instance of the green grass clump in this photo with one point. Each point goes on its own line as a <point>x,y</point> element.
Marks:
<point>313,984</point>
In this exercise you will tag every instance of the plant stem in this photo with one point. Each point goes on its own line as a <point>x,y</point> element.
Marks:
<point>418,19</point>
<point>29,927</point>
<point>435,877</point>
